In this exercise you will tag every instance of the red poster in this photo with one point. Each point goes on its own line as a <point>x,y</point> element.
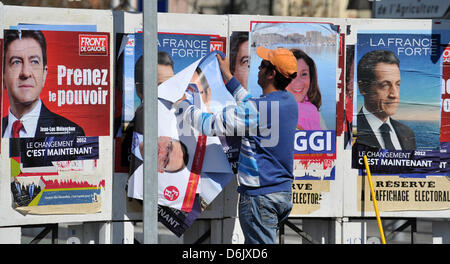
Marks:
<point>75,79</point>
<point>1,78</point>
<point>340,85</point>
<point>445,109</point>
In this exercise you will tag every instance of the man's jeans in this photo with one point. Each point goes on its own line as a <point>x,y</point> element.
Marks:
<point>260,216</point>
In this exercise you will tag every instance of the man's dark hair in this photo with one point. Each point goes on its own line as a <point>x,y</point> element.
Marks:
<point>139,76</point>
<point>236,39</point>
<point>185,157</point>
<point>185,154</point>
<point>280,81</point>
<point>165,59</point>
<point>366,66</point>
<point>203,80</point>
<point>11,35</point>
<point>139,70</point>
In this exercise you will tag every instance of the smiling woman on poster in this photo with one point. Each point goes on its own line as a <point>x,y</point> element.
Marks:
<point>25,72</point>
<point>305,88</point>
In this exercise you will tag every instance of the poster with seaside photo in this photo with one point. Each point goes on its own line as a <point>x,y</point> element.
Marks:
<point>316,47</point>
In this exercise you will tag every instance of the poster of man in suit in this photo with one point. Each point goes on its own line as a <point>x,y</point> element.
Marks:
<point>398,76</point>
<point>55,87</point>
<point>55,105</point>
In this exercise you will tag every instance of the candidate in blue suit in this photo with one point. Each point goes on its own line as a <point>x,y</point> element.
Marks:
<point>25,71</point>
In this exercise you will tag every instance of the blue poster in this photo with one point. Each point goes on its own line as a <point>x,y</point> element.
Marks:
<point>398,76</point>
<point>184,49</point>
<point>176,52</point>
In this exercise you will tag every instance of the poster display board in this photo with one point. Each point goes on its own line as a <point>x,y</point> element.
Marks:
<point>56,159</point>
<point>408,164</point>
<point>64,171</point>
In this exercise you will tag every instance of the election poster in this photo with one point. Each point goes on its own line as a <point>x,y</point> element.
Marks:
<point>412,174</point>
<point>172,47</point>
<point>185,194</point>
<point>445,91</point>
<point>131,98</point>
<point>206,152</point>
<point>349,91</point>
<point>239,56</point>
<point>76,81</point>
<point>192,168</point>
<point>445,109</point>
<point>316,46</point>
<point>56,105</point>
<point>340,103</point>
<point>126,98</point>
<point>398,76</point>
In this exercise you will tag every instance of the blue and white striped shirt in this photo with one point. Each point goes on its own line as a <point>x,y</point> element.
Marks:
<point>267,125</point>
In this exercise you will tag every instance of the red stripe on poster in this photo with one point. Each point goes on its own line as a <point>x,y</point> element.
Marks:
<point>194,177</point>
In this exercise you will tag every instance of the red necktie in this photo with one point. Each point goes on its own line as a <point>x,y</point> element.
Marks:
<point>16,127</point>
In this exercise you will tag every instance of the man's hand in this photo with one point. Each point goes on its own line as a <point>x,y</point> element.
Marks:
<point>224,65</point>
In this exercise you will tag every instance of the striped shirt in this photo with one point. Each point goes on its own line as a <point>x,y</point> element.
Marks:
<point>267,127</point>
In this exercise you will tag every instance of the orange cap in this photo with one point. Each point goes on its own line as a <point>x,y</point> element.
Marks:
<point>283,59</point>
